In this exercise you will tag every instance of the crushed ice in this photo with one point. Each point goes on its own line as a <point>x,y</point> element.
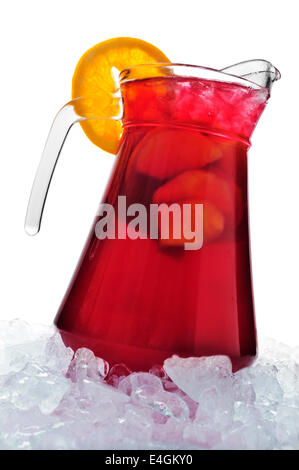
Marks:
<point>53,399</point>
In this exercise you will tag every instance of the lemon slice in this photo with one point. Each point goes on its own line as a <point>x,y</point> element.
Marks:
<point>95,76</point>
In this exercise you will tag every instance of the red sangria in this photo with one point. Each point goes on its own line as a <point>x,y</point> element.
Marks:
<point>140,299</point>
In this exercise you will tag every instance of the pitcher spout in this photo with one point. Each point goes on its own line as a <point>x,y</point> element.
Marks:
<point>259,71</point>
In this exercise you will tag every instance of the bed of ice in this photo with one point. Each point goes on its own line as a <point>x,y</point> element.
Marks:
<point>53,399</point>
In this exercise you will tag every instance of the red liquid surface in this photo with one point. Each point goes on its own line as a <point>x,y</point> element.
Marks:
<point>140,301</point>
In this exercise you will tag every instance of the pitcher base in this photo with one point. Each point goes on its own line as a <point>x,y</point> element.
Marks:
<point>135,358</point>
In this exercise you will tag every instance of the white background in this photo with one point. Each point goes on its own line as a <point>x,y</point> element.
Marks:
<point>41,42</point>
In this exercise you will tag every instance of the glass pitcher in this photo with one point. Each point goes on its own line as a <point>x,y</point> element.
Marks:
<point>141,293</point>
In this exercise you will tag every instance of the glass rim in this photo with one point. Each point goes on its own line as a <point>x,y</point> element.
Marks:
<point>145,71</point>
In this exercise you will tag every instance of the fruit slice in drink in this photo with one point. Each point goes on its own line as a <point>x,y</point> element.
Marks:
<point>221,201</point>
<point>164,154</point>
<point>190,227</point>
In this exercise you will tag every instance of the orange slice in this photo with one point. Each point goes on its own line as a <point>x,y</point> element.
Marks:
<point>213,225</point>
<point>222,199</point>
<point>198,185</point>
<point>95,78</point>
<point>164,153</point>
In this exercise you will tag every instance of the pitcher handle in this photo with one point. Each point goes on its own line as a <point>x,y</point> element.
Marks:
<point>71,113</point>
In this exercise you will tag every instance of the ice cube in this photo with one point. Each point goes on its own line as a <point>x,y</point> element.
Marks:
<point>18,331</point>
<point>117,373</point>
<point>14,357</point>
<point>86,365</point>
<point>267,390</point>
<point>57,356</point>
<point>216,407</point>
<point>194,375</point>
<point>44,350</point>
<point>137,379</point>
<point>166,403</point>
<point>34,386</point>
